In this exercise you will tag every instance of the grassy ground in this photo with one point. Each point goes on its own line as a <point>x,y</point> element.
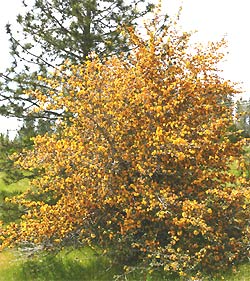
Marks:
<point>85,265</point>
<point>77,265</point>
<point>13,188</point>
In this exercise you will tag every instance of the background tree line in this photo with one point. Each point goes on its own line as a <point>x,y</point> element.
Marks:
<point>242,122</point>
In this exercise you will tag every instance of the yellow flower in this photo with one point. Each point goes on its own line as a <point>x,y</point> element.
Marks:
<point>196,232</point>
<point>209,210</point>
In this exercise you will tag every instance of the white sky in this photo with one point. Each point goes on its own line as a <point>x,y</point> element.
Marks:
<point>211,18</point>
<point>214,19</point>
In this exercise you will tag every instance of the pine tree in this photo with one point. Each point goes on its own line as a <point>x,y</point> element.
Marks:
<point>51,31</point>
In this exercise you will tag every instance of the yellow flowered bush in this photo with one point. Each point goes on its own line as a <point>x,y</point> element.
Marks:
<point>140,163</point>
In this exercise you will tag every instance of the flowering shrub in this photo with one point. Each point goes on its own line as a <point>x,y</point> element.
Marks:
<point>141,162</point>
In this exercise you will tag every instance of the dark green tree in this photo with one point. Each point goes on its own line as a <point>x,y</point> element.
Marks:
<point>51,31</point>
<point>243,117</point>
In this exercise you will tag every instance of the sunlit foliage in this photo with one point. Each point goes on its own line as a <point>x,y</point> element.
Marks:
<point>141,166</point>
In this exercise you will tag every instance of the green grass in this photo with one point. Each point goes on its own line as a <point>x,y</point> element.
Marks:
<point>86,265</point>
<point>10,266</point>
<point>242,273</point>
<point>14,187</point>
<point>77,265</point>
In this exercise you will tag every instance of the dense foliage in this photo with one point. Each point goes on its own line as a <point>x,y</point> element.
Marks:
<point>141,167</point>
<point>47,32</point>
